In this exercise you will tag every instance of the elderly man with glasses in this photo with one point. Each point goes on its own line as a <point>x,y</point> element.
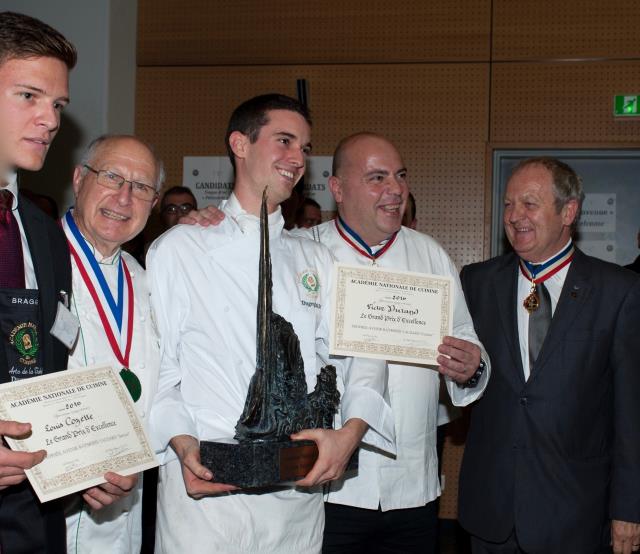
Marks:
<point>115,186</point>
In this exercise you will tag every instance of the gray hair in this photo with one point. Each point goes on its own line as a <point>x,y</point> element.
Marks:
<point>567,184</point>
<point>90,152</point>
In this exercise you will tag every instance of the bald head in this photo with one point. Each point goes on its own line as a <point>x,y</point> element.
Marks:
<point>341,155</point>
<point>369,186</point>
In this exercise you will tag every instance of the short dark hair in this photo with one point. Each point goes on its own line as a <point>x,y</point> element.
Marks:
<point>309,202</point>
<point>177,190</point>
<point>250,116</point>
<point>22,37</point>
<point>567,184</point>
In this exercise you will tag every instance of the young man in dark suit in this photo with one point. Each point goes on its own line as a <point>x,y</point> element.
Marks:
<point>34,259</point>
<point>552,459</point>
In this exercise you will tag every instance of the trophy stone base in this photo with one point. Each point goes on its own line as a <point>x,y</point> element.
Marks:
<point>260,464</point>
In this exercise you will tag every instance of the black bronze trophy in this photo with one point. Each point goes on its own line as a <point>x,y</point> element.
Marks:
<point>277,403</point>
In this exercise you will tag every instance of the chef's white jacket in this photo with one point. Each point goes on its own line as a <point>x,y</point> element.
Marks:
<point>116,528</point>
<point>409,479</point>
<point>204,287</point>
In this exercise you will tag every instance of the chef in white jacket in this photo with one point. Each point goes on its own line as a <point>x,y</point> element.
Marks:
<point>204,286</point>
<point>390,504</point>
<point>115,186</point>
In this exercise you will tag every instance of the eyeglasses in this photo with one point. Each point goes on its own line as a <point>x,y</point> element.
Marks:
<point>114,181</point>
<point>182,209</point>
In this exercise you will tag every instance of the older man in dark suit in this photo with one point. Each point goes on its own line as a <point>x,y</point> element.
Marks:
<point>34,260</point>
<point>552,461</point>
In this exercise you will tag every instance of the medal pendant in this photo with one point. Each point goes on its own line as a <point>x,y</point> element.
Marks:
<point>531,302</point>
<point>132,383</point>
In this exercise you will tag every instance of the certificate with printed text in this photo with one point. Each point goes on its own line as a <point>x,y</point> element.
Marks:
<point>86,421</point>
<point>392,315</point>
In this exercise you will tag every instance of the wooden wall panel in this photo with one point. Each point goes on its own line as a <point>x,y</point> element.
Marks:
<point>369,66</point>
<point>571,29</point>
<point>556,103</point>
<point>439,126</point>
<point>249,32</point>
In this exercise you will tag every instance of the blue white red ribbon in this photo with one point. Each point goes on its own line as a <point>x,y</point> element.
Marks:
<point>358,244</point>
<point>119,330</point>
<point>538,273</point>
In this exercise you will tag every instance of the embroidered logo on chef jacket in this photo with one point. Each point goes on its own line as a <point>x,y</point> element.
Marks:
<point>24,338</point>
<point>310,283</point>
<point>309,280</point>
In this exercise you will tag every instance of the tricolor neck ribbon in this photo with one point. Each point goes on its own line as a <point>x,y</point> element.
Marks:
<point>119,331</point>
<point>359,245</point>
<point>538,273</point>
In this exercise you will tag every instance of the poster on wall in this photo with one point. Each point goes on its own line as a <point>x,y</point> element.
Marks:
<point>316,182</point>
<point>211,179</point>
<point>597,226</point>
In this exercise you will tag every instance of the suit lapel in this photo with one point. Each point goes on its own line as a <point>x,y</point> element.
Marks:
<point>505,292</point>
<point>575,291</point>
<point>40,248</point>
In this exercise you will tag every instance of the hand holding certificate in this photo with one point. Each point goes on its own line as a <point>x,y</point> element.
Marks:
<point>392,315</point>
<point>85,420</point>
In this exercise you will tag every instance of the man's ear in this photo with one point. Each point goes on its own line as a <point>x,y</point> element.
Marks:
<point>569,212</point>
<point>335,186</point>
<point>77,180</point>
<point>238,143</point>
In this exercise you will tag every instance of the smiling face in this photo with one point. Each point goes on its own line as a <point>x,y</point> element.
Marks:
<point>33,93</point>
<point>277,159</point>
<point>108,218</point>
<point>534,226</point>
<point>370,188</point>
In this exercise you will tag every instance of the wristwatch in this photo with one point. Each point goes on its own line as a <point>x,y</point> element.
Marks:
<point>475,378</point>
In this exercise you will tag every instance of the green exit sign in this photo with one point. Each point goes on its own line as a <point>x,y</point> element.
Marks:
<point>626,105</point>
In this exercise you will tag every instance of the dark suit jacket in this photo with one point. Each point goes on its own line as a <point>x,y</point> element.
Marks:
<point>558,456</point>
<point>635,265</point>
<point>50,255</point>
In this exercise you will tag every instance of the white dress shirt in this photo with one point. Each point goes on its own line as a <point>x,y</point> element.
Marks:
<point>554,285</point>
<point>411,478</point>
<point>204,287</point>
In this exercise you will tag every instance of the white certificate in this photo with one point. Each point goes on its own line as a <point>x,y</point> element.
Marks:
<point>86,421</point>
<point>392,315</point>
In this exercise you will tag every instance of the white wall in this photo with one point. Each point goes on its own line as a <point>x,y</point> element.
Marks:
<point>102,85</point>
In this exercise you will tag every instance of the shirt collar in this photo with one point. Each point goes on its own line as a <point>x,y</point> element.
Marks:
<point>555,254</point>
<point>249,222</point>
<point>12,187</point>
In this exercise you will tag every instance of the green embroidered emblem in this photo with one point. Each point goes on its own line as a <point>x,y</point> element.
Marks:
<point>24,337</point>
<point>310,281</point>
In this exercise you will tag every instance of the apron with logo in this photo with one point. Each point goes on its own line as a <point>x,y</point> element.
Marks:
<point>21,334</point>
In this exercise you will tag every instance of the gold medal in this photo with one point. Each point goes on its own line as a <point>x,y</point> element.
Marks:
<point>531,302</point>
